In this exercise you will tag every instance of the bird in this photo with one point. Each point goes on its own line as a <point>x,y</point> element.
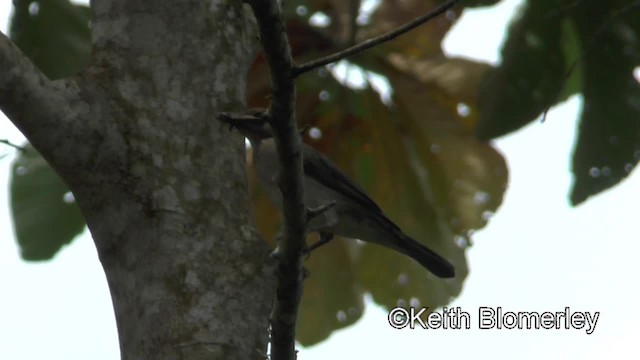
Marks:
<point>347,210</point>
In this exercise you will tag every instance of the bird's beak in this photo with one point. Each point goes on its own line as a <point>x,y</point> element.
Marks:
<point>252,124</point>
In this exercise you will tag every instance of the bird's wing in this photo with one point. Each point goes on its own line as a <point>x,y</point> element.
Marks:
<point>319,167</point>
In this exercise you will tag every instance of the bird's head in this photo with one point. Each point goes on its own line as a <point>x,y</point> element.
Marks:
<point>251,123</point>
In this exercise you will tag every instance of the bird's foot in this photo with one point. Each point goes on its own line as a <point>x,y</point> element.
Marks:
<point>276,253</point>
<point>325,238</point>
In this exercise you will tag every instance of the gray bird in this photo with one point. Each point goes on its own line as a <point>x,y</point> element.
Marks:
<point>353,213</point>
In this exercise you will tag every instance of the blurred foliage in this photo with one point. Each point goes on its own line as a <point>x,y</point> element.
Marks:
<point>44,211</point>
<point>54,34</point>
<point>420,152</point>
<point>559,48</point>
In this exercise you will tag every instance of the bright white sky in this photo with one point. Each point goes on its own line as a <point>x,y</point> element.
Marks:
<point>537,254</point>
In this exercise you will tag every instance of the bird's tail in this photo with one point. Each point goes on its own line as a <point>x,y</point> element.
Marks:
<point>398,240</point>
<point>382,231</point>
<point>426,257</point>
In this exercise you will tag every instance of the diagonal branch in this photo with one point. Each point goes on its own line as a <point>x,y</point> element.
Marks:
<point>282,120</point>
<point>48,112</point>
<point>42,109</point>
<point>25,92</point>
<point>367,44</point>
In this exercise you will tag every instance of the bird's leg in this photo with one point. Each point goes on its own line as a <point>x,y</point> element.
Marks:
<point>325,237</point>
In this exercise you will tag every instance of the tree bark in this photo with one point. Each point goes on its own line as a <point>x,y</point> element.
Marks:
<point>161,183</point>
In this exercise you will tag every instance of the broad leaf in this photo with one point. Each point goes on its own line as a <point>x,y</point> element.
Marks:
<point>556,49</point>
<point>608,145</point>
<point>45,215</point>
<point>54,34</point>
<point>531,76</point>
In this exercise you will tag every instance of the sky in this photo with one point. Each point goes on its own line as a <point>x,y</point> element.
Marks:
<point>537,254</point>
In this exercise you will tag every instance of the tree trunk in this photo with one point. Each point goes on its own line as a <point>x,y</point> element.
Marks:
<point>161,182</point>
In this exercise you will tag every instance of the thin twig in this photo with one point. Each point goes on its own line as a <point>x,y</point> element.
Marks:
<point>354,11</point>
<point>367,44</point>
<point>9,143</point>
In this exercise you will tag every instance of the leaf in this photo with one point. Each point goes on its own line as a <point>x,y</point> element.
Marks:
<point>531,76</point>
<point>332,298</point>
<point>467,177</point>
<point>598,44</point>
<point>45,217</point>
<point>397,185</point>
<point>572,52</point>
<point>455,77</point>
<point>608,145</point>
<point>54,34</point>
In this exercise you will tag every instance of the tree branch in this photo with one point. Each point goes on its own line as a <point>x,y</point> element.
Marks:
<point>282,120</point>
<point>354,11</point>
<point>367,44</point>
<point>10,144</point>
<point>23,88</point>
<point>42,109</point>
